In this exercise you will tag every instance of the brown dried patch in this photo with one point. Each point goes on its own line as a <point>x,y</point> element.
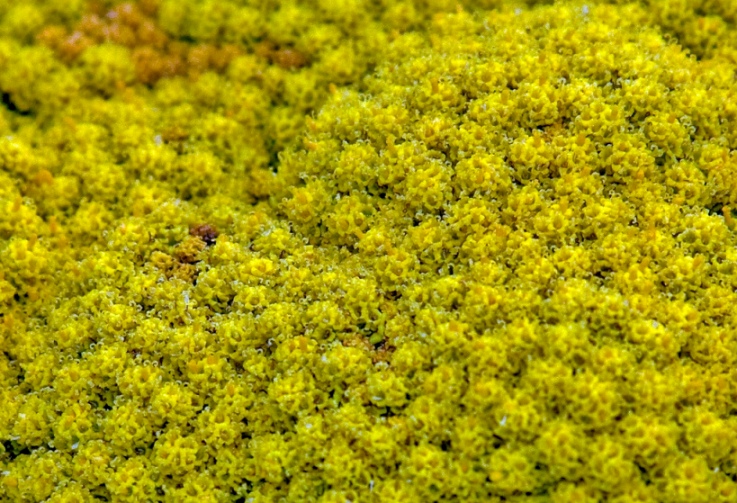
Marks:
<point>205,57</point>
<point>383,353</point>
<point>44,177</point>
<point>358,341</point>
<point>286,57</point>
<point>380,353</point>
<point>68,46</point>
<point>175,267</point>
<point>289,58</point>
<point>174,134</point>
<point>152,65</point>
<point>188,251</point>
<point>134,25</point>
<point>185,272</point>
<point>208,233</point>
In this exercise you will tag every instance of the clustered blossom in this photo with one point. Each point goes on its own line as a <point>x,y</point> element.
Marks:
<point>368,251</point>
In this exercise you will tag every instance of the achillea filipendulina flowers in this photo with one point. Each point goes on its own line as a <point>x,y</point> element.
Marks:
<point>358,251</point>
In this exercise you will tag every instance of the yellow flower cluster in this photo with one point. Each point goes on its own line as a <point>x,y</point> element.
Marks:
<point>502,267</point>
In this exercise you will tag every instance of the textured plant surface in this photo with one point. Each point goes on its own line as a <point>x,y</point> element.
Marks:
<point>368,251</point>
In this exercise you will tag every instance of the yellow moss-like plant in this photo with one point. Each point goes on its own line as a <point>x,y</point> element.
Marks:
<point>497,263</point>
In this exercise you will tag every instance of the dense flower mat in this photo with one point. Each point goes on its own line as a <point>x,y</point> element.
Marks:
<point>353,250</point>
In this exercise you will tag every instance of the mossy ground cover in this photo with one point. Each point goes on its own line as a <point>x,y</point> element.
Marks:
<point>368,251</point>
